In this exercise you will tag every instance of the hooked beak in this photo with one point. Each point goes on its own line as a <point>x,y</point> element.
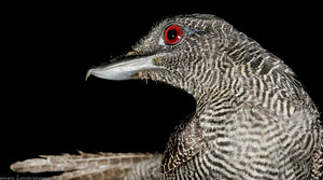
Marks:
<point>127,68</point>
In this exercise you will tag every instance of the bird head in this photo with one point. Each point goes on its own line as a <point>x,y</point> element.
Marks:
<point>177,51</point>
<point>187,51</point>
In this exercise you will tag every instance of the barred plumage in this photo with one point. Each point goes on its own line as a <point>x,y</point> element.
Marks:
<point>253,119</point>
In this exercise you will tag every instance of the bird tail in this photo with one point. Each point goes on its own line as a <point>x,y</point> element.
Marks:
<point>89,166</point>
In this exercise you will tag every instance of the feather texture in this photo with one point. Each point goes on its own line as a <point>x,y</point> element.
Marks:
<point>253,118</point>
<point>85,165</point>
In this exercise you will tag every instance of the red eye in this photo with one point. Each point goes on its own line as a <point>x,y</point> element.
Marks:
<point>173,34</point>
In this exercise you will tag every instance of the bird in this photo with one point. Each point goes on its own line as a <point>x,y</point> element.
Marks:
<point>253,119</point>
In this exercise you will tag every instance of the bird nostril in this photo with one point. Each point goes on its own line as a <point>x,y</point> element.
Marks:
<point>158,61</point>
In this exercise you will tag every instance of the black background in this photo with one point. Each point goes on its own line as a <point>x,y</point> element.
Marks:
<point>48,108</point>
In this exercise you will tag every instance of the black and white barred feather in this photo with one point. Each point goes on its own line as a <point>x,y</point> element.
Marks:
<point>253,119</point>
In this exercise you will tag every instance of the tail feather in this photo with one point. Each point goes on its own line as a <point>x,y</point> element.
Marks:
<point>93,174</point>
<point>101,166</point>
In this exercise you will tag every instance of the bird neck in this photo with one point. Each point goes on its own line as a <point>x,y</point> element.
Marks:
<point>215,95</point>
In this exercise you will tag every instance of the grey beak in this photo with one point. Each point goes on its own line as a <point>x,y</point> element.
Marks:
<point>125,69</point>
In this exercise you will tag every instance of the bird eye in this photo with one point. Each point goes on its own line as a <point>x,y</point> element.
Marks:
<point>173,34</point>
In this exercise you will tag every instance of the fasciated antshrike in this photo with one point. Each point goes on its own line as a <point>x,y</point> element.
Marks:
<point>253,119</point>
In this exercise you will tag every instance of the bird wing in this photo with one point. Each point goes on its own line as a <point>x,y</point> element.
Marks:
<point>86,165</point>
<point>249,141</point>
<point>183,144</point>
<point>282,143</point>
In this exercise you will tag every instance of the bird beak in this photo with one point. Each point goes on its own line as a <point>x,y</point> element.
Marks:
<point>126,68</point>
